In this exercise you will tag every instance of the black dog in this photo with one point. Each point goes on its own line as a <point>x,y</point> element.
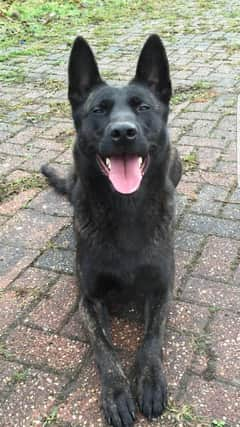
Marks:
<point>122,189</point>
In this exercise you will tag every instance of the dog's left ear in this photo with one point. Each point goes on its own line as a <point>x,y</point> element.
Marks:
<point>153,68</point>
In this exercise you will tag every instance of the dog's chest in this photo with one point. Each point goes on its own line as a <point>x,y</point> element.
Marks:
<point>126,257</point>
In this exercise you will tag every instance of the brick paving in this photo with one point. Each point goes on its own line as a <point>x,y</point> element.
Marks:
<point>46,367</point>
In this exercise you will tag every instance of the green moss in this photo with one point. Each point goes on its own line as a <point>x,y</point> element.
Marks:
<point>51,418</point>
<point>20,376</point>
<point>190,162</point>
<point>10,188</point>
<point>199,92</point>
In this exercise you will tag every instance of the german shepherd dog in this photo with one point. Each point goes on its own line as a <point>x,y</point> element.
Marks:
<point>122,190</point>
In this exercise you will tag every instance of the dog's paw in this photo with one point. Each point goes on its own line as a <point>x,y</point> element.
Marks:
<point>152,390</point>
<point>118,405</point>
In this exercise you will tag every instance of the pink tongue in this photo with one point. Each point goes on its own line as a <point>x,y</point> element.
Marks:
<point>125,174</point>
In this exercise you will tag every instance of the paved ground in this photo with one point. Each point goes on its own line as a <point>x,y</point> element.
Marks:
<point>46,368</point>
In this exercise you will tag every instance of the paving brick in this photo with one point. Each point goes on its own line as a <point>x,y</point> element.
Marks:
<point>8,370</point>
<point>18,174</point>
<point>236,276</point>
<point>74,328</point>
<point>213,294</point>
<point>19,150</point>
<point>3,219</point>
<point>48,144</point>
<point>197,106</point>
<point>182,261</point>
<point>35,347</point>
<point>10,207</point>
<point>197,141</point>
<point>51,203</point>
<point>24,136</point>
<point>214,400</point>
<point>56,130</point>
<point>65,239</point>
<point>230,154</point>
<point>225,339</point>
<point>65,157</point>
<point>207,225</point>
<point>211,178</point>
<point>177,357</point>
<point>56,306</point>
<point>82,407</point>
<point>189,189</point>
<point>34,280</point>
<point>8,164</point>
<point>126,335</point>
<point>201,128</point>
<point>60,260</point>
<point>35,163</point>
<point>31,400</point>
<point>175,134</point>
<point>227,168</point>
<point>12,305</point>
<point>216,259</point>
<point>209,200</point>
<point>232,209</point>
<point>228,122</point>
<point>12,261</point>
<point>187,241</point>
<point>187,317</point>
<point>181,203</point>
<point>207,157</point>
<point>31,229</point>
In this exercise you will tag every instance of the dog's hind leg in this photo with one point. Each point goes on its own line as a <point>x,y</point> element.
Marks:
<point>117,400</point>
<point>151,383</point>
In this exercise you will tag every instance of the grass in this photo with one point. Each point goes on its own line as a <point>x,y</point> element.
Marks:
<point>32,27</point>
<point>184,416</point>
<point>20,376</point>
<point>11,188</point>
<point>51,418</point>
<point>201,91</point>
<point>190,162</point>
<point>218,423</point>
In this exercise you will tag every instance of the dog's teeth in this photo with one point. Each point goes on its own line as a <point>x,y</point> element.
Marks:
<point>140,161</point>
<point>108,163</point>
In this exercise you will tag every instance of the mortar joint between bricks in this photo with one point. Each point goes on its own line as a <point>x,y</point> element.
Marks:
<point>190,267</point>
<point>187,208</point>
<point>227,198</point>
<point>30,306</point>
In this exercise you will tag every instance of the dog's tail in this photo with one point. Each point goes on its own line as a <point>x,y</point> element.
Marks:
<point>59,184</point>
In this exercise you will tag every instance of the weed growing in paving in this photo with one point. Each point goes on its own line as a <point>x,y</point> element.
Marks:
<point>190,162</point>
<point>10,188</point>
<point>20,376</point>
<point>199,92</point>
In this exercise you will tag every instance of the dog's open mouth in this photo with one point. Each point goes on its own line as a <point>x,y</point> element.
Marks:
<point>125,172</point>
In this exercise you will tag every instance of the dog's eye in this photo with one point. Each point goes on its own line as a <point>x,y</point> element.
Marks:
<point>98,110</point>
<point>143,107</point>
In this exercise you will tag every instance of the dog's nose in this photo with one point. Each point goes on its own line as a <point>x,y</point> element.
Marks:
<point>123,131</point>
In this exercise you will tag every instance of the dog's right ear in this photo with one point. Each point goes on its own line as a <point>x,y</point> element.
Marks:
<point>83,72</point>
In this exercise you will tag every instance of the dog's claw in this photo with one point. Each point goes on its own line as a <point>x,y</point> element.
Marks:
<point>152,392</point>
<point>118,407</point>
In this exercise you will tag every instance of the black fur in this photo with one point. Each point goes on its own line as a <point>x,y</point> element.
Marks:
<point>124,241</point>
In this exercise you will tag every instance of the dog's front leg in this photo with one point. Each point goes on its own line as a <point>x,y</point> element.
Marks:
<point>117,400</point>
<point>151,382</point>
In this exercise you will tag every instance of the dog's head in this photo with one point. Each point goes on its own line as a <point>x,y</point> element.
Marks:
<point>122,131</point>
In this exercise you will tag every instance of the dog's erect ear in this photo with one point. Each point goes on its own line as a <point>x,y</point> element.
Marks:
<point>153,68</point>
<point>83,72</point>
